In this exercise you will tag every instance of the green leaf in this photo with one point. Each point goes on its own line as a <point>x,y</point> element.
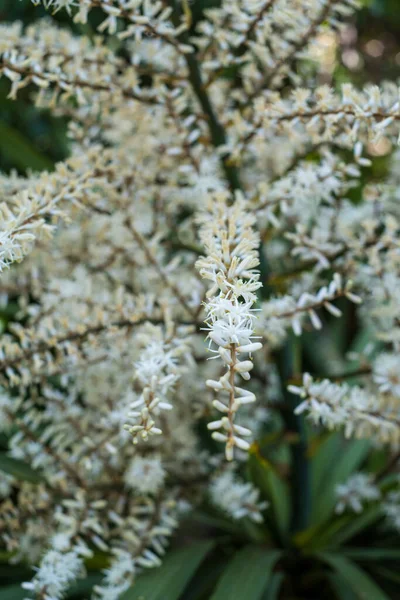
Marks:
<point>204,580</point>
<point>169,581</point>
<point>21,151</point>
<point>247,575</point>
<point>13,592</point>
<point>349,459</point>
<point>355,524</point>
<point>373,554</point>
<point>325,453</point>
<point>388,574</point>
<point>272,592</point>
<point>83,587</point>
<point>358,581</point>
<point>18,469</point>
<point>273,489</point>
<point>217,522</point>
<point>341,588</point>
<point>336,531</point>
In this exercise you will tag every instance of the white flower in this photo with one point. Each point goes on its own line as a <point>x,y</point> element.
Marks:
<point>279,313</point>
<point>61,541</point>
<point>167,163</point>
<point>386,372</point>
<point>145,474</point>
<point>6,410</point>
<point>157,360</point>
<point>6,482</point>
<point>56,573</point>
<point>230,322</point>
<point>160,366</point>
<point>391,509</point>
<point>118,577</point>
<point>358,411</point>
<point>237,498</point>
<point>356,491</point>
<point>231,243</point>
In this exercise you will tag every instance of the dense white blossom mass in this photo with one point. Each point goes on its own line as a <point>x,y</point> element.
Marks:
<point>199,216</point>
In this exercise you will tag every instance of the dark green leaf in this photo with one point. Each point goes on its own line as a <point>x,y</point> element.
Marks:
<point>358,580</point>
<point>373,554</point>
<point>204,580</point>
<point>273,589</point>
<point>216,522</point>
<point>21,151</point>
<point>273,489</point>
<point>325,452</point>
<point>169,581</point>
<point>83,587</point>
<point>13,592</point>
<point>389,574</point>
<point>18,469</point>
<point>341,588</point>
<point>350,458</point>
<point>355,524</point>
<point>337,530</point>
<point>247,575</point>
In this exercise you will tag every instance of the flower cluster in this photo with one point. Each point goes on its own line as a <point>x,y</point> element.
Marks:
<point>361,489</point>
<point>386,373</point>
<point>231,243</point>
<point>157,371</point>
<point>391,509</point>
<point>279,313</point>
<point>118,577</point>
<point>142,17</point>
<point>55,574</point>
<point>360,412</point>
<point>32,214</point>
<point>236,498</point>
<point>358,490</point>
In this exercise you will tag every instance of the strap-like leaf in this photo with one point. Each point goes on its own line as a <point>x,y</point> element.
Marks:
<point>13,592</point>
<point>350,458</point>
<point>169,581</point>
<point>325,449</point>
<point>247,575</point>
<point>341,588</point>
<point>273,488</point>
<point>357,580</point>
<point>373,554</point>
<point>20,150</point>
<point>273,588</point>
<point>18,469</point>
<point>337,531</point>
<point>355,525</point>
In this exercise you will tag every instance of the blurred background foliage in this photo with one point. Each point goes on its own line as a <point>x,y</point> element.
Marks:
<point>367,51</point>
